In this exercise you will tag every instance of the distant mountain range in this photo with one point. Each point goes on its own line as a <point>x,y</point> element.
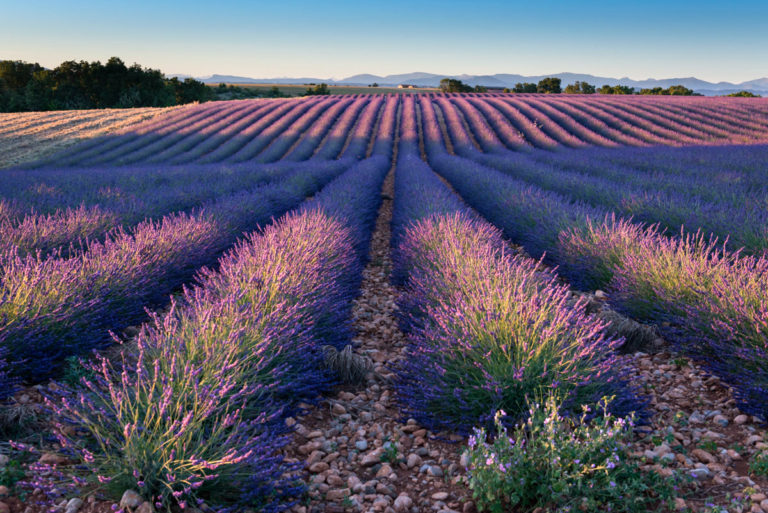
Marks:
<point>758,86</point>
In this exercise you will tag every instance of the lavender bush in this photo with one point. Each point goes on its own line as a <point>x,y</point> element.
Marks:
<point>195,413</point>
<point>51,308</point>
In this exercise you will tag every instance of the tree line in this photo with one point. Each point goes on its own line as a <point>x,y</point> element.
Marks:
<point>553,85</point>
<point>92,85</point>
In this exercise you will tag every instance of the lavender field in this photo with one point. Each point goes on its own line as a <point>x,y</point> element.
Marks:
<point>315,304</point>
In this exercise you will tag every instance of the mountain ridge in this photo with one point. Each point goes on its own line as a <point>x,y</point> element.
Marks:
<point>424,79</point>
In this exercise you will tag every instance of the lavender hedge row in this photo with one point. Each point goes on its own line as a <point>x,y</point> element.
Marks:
<point>745,225</point>
<point>150,143</point>
<point>489,328</point>
<point>365,130</point>
<point>314,134</point>
<point>358,112</point>
<point>51,308</point>
<point>237,130</point>
<point>99,145</point>
<point>193,138</point>
<point>118,207</point>
<point>286,138</point>
<point>197,414</point>
<point>709,301</point>
<point>251,134</point>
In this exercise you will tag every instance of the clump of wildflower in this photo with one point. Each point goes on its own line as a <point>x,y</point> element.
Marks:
<point>561,464</point>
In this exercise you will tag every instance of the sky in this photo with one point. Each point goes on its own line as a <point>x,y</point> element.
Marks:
<point>711,40</point>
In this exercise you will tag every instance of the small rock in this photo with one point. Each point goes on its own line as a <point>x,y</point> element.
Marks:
<point>361,445</point>
<point>720,420</point>
<point>435,471</point>
<point>414,460</point>
<point>318,467</point>
<point>403,503</point>
<point>4,491</point>
<point>649,454</point>
<point>757,497</point>
<point>337,495</point>
<point>700,473</point>
<point>51,458</point>
<point>338,409</point>
<point>464,461</point>
<point>315,434</point>
<point>371,459</point>
<point>380,504</point>
<point>712,435</point>
<point>704,456</point>
<point>4,508</point>
<point>680,503</point>
<point>740,419</point>
<point>4,460</point>
<point>384,471</point>
<point>439,496</point>
<point>130,499</point>
<point>146,507</point>
<point>73,505</point>
<point>764,504</point>
<point>355,484</point>
<point>469,507</point>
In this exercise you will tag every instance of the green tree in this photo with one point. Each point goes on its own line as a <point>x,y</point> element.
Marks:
<point>451,85</point>
<point>524,87</point>
<point>680,90</point>
<point>744,94</point>
<point>675,90</point>
<point>549,85</point>
<point>579,88</point>
<point>91,85</point>
<point>321,89</point>
<point>617,89</point>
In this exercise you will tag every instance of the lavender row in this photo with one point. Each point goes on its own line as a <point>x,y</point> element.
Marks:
<point>240,129</point>
<point>51,308</point>
<point>362,110</point>
<point>673,209</point>
<point>364,132</point>
<point>112,207</point>
<point>245,139</point>
<point>148,143</point>
<point>285,139</point>
<point>708,301</point>
<point>229,362</point>
<point>488,328</point>
<point>744,224</point>
<point>104,143</point>
<point>315,134</point>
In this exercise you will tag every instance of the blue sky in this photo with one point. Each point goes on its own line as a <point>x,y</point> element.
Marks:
<point>711,40</point>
